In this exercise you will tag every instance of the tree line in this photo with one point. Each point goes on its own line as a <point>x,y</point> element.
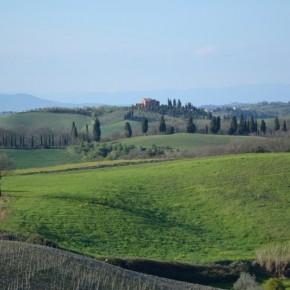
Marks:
<point>243,126</point>
<point>174,108</point>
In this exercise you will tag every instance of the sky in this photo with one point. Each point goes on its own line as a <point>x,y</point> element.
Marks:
<point>66,49</point>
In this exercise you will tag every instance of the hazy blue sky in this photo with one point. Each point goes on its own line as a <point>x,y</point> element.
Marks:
<point>62,46</point>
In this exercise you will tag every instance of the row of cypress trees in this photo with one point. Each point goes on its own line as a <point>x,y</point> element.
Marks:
<point>244,126</point>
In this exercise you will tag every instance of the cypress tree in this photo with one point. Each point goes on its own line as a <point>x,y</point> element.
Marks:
<point>145,126</point>
<point>242,125</point>
<point>174,103</point>
<point>128,130</point>
<point>97,130</point>
<point>74,130</point>
<point>32,142</point>
<point>256,126</point>
<point>276,124</point>
<point>233,126</point>
<point>284,127</point>
<point>263,127</point>
<point>162,125</point>
<point>252,125</point>
<point>190,128</point>
<point>218,124</point>
<point>87,133</point>
<point>215,124</point>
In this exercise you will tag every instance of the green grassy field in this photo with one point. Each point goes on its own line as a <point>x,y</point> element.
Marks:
<point>39,157</point>
<point>118,128</point>
<point>184,141</point>
<point>36,120</point>
<point>198,210</point>
<point>56,122</point>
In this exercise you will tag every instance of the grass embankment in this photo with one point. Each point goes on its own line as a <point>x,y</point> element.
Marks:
<point>189,210</point>
<point>190,142</point>
<point>82,166</point>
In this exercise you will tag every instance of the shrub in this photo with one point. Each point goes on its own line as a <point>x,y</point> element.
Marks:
<point>274,284</point>
<point>246,282</point>
<point>274,258</point>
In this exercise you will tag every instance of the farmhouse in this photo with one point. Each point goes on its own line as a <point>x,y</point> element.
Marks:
<point>147,103</point>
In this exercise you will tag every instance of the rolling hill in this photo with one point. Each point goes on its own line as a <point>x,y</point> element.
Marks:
<point>200,210</point>
<point>58,122</point>
<point>24,102</point>
<point>32,121</point>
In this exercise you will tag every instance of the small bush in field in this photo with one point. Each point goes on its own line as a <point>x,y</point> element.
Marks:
<point>274,284</point>
<point>246,282</point>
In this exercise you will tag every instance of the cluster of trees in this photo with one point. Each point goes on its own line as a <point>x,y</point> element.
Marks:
<point>114,151</point>
<point>86,111</point>
<point>173,108</point>
<point>250,125</point>
<point>88,136</point>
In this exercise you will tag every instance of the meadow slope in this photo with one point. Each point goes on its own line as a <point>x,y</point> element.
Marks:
<point>59,122</point>
<point>190,142</point>
<point>39,157</point>
<point>197,210</point>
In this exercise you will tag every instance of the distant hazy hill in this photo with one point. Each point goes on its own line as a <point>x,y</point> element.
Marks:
<point>23,102</point>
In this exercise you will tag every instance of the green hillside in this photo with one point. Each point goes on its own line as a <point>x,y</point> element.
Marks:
<point>186,141</point>
<point>36,120</point>
<point>188,210</point>
<point>31,121</point>
<point>117,129</point>
<point>39,157</point>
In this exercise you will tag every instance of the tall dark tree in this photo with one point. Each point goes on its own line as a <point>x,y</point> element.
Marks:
<point>162,125</point>
<point>128,130</point>
<point>218,124</point>
<point>145,126</point>
<point>174,103</point>
<point>242,127</point>
<point>179,104</point>
<point>215,124</point>
<point>190,128</point>
<point>252,125</point>
<point>263,127</point>
<point>74,133</point>
<point>87,133</point>
<point>276,124</point>
<point>233,126</point>
<point>97,130</point>
<point>284,126</point>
